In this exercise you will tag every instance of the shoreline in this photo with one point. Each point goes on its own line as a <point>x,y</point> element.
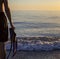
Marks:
<point>36,55</point>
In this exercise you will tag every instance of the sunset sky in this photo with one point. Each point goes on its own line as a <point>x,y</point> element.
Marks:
<point>34,4</point>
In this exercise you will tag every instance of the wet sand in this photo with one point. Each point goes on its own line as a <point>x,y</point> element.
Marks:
<point>36,55</point>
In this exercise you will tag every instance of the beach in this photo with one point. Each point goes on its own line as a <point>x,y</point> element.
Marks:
<point>36,55</point>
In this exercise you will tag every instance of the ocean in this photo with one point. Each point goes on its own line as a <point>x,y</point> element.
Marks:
<point>43,24</point>
<point>36,23</point>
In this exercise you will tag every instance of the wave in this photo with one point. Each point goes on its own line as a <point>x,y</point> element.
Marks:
<point>37,43</point>
<point>37,25</point>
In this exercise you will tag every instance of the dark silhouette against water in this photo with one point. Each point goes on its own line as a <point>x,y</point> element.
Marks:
<point>4,11</point>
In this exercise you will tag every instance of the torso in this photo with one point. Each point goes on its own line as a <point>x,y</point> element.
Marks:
<point>1,5</point>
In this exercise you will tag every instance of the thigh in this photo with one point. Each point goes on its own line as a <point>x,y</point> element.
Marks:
<point>1,46</point>
<point>2,50</point>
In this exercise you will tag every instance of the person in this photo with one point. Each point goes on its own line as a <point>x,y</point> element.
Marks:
<point>4,15</point>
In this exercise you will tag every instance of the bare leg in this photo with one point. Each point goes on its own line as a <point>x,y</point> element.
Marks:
<point>2,51</point>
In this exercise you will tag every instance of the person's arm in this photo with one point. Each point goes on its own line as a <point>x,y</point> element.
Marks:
<point>7,10</point>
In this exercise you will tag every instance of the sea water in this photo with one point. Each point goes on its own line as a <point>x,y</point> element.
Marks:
<point>37,24</point>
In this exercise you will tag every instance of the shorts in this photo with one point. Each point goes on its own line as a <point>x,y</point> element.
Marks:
<point>3,28</point>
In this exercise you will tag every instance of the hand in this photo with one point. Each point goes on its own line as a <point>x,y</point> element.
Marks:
<point>12,27</point>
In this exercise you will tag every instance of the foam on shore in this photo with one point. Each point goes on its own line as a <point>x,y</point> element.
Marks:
<point>36,43</point>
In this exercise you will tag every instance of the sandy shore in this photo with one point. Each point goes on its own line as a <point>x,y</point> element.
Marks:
<point>36,55</point>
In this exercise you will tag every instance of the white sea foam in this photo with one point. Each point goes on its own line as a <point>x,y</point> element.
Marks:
<point>36,45</point>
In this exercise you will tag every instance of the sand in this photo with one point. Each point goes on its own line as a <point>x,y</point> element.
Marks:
<point>36,55</point>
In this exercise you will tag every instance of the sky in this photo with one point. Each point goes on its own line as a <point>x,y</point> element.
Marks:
<point>34,4</point>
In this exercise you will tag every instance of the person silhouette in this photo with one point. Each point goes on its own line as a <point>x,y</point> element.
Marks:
<point>4,14</point>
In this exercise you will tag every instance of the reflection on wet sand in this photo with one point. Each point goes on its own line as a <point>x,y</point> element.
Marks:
<point>36,55</point>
